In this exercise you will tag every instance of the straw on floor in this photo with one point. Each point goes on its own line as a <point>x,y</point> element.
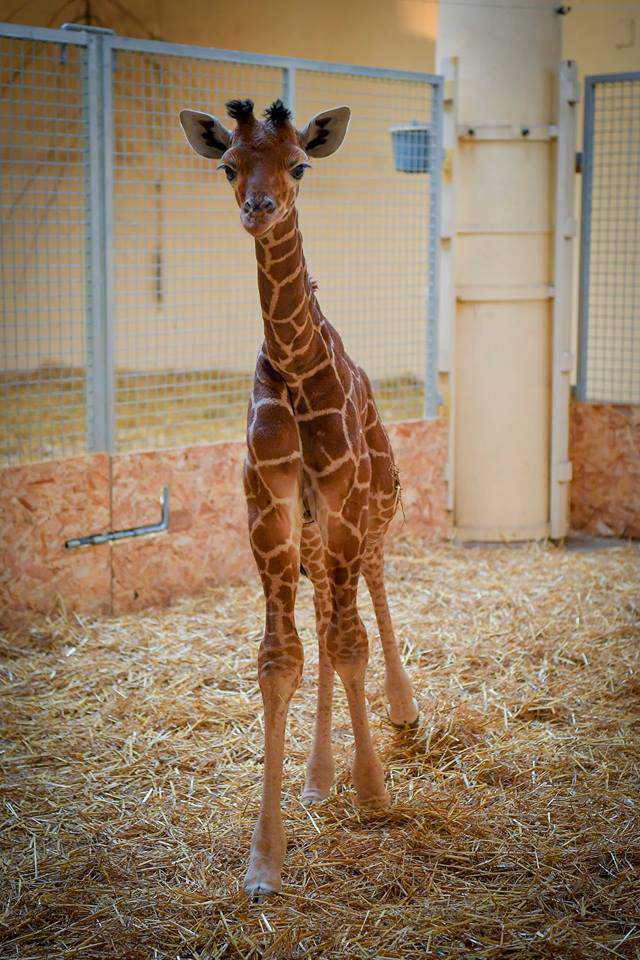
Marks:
<point>132,761</point>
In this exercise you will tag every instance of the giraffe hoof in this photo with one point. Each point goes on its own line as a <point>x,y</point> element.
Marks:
<point>379,802</point>
<point>259,894</point>
<point>400,724</point>
<point>262,880</point>
<point>313,795</point>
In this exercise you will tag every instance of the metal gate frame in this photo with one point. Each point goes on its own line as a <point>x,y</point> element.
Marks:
<point>586,168</point>
<point>102,46</point>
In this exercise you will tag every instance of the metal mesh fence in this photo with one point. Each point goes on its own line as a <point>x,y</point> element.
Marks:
<point>368,229</point>
<point>43,249</point>
<point>164,350</point>
<point>609,368</point>
<point>187,315</point>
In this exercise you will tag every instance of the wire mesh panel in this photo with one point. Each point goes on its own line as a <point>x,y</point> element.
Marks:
<point>187,317</point>
<point>130,315</point>
<point>44,243</point>
<point>368,218</point>
<point>609,367</point>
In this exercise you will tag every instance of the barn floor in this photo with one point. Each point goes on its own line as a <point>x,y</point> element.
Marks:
<point>132,761</point>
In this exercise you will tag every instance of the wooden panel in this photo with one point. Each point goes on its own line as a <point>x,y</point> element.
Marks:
<point>502,421</point>
<point>207,542</point>
<point>605,452</point>
<point>421,448</point>
<point>41,506</point>
<point>45,504</point>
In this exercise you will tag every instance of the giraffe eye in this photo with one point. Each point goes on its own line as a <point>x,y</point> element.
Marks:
<point>230,173</point>
<point>298,172</point>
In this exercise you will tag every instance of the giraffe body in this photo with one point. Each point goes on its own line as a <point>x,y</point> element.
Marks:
<point>320,479</point>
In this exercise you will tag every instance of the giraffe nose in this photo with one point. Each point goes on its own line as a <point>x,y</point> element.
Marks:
<point>255,204</point>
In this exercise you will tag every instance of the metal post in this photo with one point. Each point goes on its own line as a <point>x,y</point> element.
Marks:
<point>100,386</point>
<point>585,238</point>
<point>565,231</point>
<point>108,55</point>
<point>289,88</point>
<point>447,298</point>
<point>431,395</point>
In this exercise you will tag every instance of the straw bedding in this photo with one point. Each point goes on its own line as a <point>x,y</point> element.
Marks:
<point>132,761</point>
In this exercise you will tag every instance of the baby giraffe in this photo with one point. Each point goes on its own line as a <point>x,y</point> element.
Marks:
<point>320,479</point>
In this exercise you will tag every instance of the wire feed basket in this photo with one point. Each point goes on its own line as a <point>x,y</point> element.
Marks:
<point>411,143</point>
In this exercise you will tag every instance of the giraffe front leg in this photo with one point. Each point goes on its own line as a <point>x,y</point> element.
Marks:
<point>274,531</point>
<point>279,674</point>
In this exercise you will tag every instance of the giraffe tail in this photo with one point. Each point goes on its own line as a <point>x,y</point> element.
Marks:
<point>398,490</point>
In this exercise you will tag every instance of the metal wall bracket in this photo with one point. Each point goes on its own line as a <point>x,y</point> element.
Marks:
<point>95,538</point>
<point>488,132</point>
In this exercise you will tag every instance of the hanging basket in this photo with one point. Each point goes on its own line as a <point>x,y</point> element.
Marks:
<point>411,145</point>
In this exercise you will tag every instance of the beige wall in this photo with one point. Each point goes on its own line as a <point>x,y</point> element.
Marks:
<point>382,33</point>
<point>604,37</point>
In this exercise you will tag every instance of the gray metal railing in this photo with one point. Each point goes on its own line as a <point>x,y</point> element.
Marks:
<point>130,309</point>
<point>609,313</point>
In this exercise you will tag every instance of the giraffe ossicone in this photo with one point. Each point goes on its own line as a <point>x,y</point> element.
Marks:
<point>320,478</point>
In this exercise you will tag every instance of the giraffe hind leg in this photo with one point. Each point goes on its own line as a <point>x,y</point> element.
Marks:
<point>402,709</point>
<point>347,644</point>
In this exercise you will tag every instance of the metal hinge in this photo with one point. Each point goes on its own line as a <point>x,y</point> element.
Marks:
<point>578,166</point>
<point>95,538</point>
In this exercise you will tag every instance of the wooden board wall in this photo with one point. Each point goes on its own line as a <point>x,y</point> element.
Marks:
<point>44,504</point>
<point>605,452</point>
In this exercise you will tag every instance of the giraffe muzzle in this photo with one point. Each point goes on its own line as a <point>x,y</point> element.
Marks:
<point>256,204</point>
<point>257,214</point>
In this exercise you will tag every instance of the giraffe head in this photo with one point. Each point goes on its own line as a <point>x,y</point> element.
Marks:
<point>264,160</point>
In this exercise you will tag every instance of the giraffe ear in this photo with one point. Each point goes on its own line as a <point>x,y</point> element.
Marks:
<point>205,133</point>
<point>325,132</point>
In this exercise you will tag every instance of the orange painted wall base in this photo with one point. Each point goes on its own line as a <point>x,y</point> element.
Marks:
<point>44,504</point>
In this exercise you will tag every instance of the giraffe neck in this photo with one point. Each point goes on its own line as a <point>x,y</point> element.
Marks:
<point>290,312</point>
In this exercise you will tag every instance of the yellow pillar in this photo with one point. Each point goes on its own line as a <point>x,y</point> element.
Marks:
<point>508,60</point>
